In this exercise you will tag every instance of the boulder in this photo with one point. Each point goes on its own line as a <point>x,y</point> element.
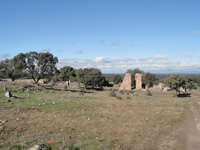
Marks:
<point>8,94</point>
<point>39,147</point>
<point>5,89</point>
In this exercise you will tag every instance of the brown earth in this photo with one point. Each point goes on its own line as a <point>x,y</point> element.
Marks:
<point>95,120</point>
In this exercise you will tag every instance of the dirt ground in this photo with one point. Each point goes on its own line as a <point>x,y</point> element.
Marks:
<point>72,118</point>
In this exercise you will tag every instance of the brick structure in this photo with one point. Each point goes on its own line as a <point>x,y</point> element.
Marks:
<point>138,80</point>
<point>126,84</point>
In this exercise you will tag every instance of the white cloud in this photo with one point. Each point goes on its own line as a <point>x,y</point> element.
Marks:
<point>159,57</point>
<point>99,59</point>
<point>184,56</point>
<point>157,63</point>
<point>4,56</point>
<point>45,50</point>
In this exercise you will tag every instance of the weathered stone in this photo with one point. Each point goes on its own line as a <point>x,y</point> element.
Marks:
<point>138,80</point>
<point>126,84</point>
<point>166,89</point>
<point>38,147</point>
<point>161,86</point>
<point>8,94</point>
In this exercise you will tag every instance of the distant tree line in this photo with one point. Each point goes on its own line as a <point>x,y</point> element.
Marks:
<point>36,66</point>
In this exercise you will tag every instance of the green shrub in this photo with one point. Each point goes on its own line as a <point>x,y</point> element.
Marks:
<point>119,97</point>
<point>121,91</point>
<point>131,91</point>
<point>128,97</point>
<point>113,94</point>
<point>148,92</point>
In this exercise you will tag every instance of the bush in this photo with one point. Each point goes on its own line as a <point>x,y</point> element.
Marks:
<point>121,91</point>
<point>113,94</point>
<point>148,93</point>
<point>119,97</point>
<point>117,79</point>
<point>65,88</point>
<point>127,92</point>
<point>128,97</point>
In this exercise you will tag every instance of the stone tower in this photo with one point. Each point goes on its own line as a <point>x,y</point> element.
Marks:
<point>138,80</point>
<point>126,84</point>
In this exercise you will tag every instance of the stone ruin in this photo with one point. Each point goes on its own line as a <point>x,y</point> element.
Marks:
<point>138,80</point>
<point>126,84</point>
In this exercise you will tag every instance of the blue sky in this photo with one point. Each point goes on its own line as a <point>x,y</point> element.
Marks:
<point>160,36</point>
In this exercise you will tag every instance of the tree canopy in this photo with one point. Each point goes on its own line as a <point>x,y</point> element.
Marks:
<point>36,65</point>
<point>175,82</point>
<point>117,79</point>
<point>90,77</point>
<point>66,72</point>
<point>149,79</point>
<point>133,72</point>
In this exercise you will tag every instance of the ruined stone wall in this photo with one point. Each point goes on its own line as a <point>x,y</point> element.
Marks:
<point>126,84</point>
<point>138,80</point>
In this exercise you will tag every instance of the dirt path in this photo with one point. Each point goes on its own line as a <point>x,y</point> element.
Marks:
<point>192,130</point>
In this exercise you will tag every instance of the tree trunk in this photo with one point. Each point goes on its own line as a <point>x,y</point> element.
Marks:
<point>13,79</point>
<point>38,80</point>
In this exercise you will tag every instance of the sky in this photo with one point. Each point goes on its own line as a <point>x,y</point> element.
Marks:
<point>157,36</point>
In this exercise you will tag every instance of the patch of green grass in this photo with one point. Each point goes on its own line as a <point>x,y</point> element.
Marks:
<point>18,147</point>
<point>175,120</point>
<point>31,143</point>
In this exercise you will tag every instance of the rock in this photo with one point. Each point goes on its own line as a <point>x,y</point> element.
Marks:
<point>138,79</point>
<point>126,84</point>
<point>39,147</point>
<point>8,94</point>
<point>5,89</point>
<point>16,96</point>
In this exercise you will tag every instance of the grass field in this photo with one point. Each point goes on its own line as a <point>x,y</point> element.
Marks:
<point>75,119</point>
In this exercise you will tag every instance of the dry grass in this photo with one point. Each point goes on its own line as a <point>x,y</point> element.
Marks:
<point>90,119</point>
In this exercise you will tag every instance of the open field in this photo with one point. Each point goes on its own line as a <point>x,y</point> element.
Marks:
<point>93,120</point>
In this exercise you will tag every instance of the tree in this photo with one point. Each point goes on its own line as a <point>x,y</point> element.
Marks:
<point>41,65</point>
<point>56,76</point>
<point>104,81</point>
<point>20,65</point>
<point>7,69</point>
<point>14,68</point>
<point>175,82</point>
<point>117,79</point>
<point>190,83</point>
<point>133,72</point>
<point>149,79</point>
<point>80,76</point>
<point>66,72</point>
<point>90,77</point>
